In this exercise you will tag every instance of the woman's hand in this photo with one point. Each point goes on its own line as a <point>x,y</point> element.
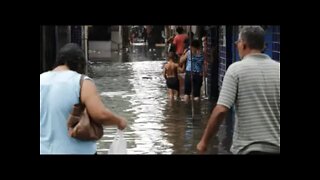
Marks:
<point>122,123</point>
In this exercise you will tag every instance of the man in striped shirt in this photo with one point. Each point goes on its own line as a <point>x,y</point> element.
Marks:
<point>253,86</point>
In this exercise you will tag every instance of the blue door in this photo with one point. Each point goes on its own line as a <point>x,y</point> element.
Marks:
<point>276,43</point>
<point>268,40</point>
<point>235,34</point>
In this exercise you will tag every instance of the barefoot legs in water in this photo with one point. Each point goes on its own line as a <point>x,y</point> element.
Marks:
<point>171,94</point>
<point>178,95</point>
<point>187,98</point>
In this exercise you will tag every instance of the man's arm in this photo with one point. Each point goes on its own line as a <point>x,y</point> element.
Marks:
<point>170,40</point>
<point>182,61</point>
<point>218,114</point>
<point>183,58</point>
<point>180,69</point>
<point>226,100</point>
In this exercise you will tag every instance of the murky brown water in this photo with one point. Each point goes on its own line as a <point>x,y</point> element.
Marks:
<point>131,85</point>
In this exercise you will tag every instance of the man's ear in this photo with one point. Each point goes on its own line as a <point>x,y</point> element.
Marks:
<point>244,46</point>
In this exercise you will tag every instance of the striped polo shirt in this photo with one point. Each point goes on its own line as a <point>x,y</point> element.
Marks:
<point>253,86</point>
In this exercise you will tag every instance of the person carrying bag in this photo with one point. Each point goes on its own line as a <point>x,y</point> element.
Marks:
<point>80,125</point>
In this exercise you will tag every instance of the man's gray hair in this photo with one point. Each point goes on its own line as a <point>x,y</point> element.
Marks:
<point>253,36</point>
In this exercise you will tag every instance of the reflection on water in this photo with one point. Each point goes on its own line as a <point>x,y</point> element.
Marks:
<point>132,85</point>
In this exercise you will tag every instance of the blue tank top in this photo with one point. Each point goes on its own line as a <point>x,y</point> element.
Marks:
<point>197,61</point>
<point>59,91</point>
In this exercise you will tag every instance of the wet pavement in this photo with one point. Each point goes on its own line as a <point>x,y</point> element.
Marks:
<point>132,85</point>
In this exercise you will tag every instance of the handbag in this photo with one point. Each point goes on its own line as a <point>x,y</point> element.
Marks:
<point>80,125</point>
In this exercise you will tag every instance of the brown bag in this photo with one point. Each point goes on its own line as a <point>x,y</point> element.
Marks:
<point>80,125</point>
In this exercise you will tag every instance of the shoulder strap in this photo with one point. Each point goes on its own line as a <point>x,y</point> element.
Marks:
<point>81,82</point>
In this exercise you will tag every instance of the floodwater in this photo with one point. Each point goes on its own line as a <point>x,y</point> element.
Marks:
<point>131,84</point>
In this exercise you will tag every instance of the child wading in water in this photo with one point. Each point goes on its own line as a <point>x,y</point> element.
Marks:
<point>171,75</point>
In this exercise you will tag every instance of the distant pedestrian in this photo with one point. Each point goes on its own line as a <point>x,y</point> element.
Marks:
<point>178,41</point>
<point>196,56</point>
<point>171,75</point>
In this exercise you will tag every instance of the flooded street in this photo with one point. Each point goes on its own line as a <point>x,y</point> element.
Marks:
<point>132,85</point>
<point>126,63</point>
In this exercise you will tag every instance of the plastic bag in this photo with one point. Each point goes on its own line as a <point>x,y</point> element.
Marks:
<point>119,144</point>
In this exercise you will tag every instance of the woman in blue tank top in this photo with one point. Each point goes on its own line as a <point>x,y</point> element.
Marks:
<point>59,91</point>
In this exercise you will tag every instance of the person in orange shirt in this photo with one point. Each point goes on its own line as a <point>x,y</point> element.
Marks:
<point>178,41</point>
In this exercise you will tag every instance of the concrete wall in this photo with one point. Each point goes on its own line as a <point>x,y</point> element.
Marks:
<point>63,36</point>
<point>116,41</point>
<point>47,48</point>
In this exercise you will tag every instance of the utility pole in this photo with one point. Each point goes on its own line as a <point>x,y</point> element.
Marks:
<point>192,90</point>
<point>85,44</point>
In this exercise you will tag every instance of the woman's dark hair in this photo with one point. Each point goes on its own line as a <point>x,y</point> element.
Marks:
<point>195,43</point>
<point>72,56</point>
<point>192,34</point>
